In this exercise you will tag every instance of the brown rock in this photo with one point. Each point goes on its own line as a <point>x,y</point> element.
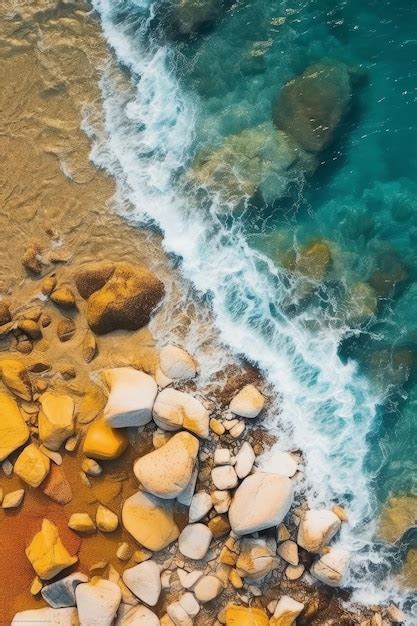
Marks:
<point>219,526</point>
<point>119,295</point>
<point>56,486</point>
<point>48,285</point>
<point>5,315</point>
<point>63,297</point>
<point>30,328</point>
<point>89,347</point>
<point>65,329</point>
<point>31,260</point>
<point>15,376</point>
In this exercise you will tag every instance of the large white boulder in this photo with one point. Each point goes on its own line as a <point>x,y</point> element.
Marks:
<point>249,402</point>
<point>131,398</point>
<point>261,501</point>
<point>144,580</point>
<point>332,567</point>
<point>317,527</point>
<point>167,471</point>
<point>194,541</point>
<point>150,520</point>
<point>97,602</point>
<point>175,409</point>
<point>286,611</point>
<point>176,363</point>
<point>47,617</point>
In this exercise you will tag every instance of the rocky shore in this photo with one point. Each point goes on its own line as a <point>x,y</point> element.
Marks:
<point>130,492</point>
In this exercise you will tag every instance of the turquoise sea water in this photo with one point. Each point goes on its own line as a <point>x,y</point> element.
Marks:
<point>349,386</point>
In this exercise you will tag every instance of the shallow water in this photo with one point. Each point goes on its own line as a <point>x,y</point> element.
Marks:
<point>348,388</point>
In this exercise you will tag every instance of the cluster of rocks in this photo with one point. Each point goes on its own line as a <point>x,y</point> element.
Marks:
<point>206,532</point>
<point>264,160</point>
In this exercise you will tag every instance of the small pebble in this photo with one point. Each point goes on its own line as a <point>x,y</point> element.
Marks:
<point>13,499</point>
<point>81,522</point>
<point>124,551</point>
<point>36,586</point>
<point>91,467</point>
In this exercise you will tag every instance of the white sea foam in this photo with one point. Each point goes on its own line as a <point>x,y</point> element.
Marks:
<point>327,408</point>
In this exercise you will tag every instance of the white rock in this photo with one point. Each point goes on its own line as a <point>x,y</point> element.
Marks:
<point>13,499</point>
<point>286,611</point>
<point>261,501</point>
<point>179,615</point>
<point>189,604</point>
<point>166,472</point>
<point>317,527</point>
<point>201,504</point>
<point>221,501</point>
<point>288,550</point>
<point>245,459</point>
<point>332,567</point>
<point>47,617</point>
<point>106,520</point>
<point>282,463</point>
<point>175,409</point>
<point>207,588</point>
<point>176,363</point>
<point>189,579</point>
<point>249,402</point>
<point>131,398</point>
<point>194,541</point>
<point>97,602</point>
<point>224,477</point>
<point>294,572</point>
<point>145,581</point>
<point>222,456</point>
<point>138,616</point>
<point>237,429</point>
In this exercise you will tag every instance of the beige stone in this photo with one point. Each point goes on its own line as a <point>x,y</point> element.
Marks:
<point>32,466</point>
<point>316,529</point>
<point>175,409</point>
<point>217,427</point>
<point>167,471</point>
<point>261,501</point>
<point>208,588</point>
<point>56,419</point>
<point>97,602</point>
<point>249,402</point>
<point>131,398</point>
<point>332,567</point>
<point>13,499</point>
<point>150,520</point>
<point>144,580</point>
<point>224,477</point>
<point>47,553</point>
<point>106,520</point>
<point>294,572</point>
<point>201,503</point>
<point>194,541</point>
<point>256,559</point>
<point>82,523</point>
<point>13,429</point>
<point>103,442</point>
<point>288,550</point>
<point>176,363</point>
<point>245,459</point>
<point>286,612</point>
<point>47,617</point>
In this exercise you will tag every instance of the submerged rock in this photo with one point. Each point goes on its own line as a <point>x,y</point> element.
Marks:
<point>119,295</point>
<point>150,520</point>
<point>398,516</point>
<point>311,106</point>
<point>185,17</point>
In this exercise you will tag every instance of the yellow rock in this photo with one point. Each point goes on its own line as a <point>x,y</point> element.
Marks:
<point>106,520</point>
<point>235,579</point>
<point>56,419</point>
<point>245,616</point>
<point>216,426</point>
<point>13,429</point>
<point>104,442</point>
<point>14,375</point>
<point>82,523</point>
<point>32,466</point>
<point>47,553</point>
<point>398,515</point>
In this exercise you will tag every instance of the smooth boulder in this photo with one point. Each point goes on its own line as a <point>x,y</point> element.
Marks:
<point>332,567</point>
<point>249,402</point>
<point>103,442</point>
<point>150,520</point>
<point>119,295</point>
<point>97,602</point>
<point>144,580</point>
<point>47,617</point>
<point>174,410</point>
<point>166,472</point>
<point>317,527</point>
<point>261,501</point>
<point>131,398</point>
<point>176,363</point>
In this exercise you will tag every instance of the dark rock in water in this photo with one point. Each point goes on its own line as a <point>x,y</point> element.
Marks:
<point>119,295</point>
<point>185,17</point>
<point>312,105</point>
<point>390,276</point>
<point>61,593</point>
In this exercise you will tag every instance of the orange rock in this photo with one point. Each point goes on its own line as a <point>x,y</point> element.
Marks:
<point>56,486</point>
<point>104,442</point>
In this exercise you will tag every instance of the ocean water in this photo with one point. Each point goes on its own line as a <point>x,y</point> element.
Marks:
<point>345,383</point>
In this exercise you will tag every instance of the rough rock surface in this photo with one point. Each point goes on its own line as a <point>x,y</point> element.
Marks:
<point>32,465</point>
<point>119,295</point>
<point>13,429</point>
<point>56,419</point>
<point>47,553</point>
<point>286,612</point>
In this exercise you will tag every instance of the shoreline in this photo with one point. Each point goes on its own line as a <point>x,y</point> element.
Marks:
<point>65,212</point>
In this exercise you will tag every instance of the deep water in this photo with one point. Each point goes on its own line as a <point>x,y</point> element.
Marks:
<point>348,382</point>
